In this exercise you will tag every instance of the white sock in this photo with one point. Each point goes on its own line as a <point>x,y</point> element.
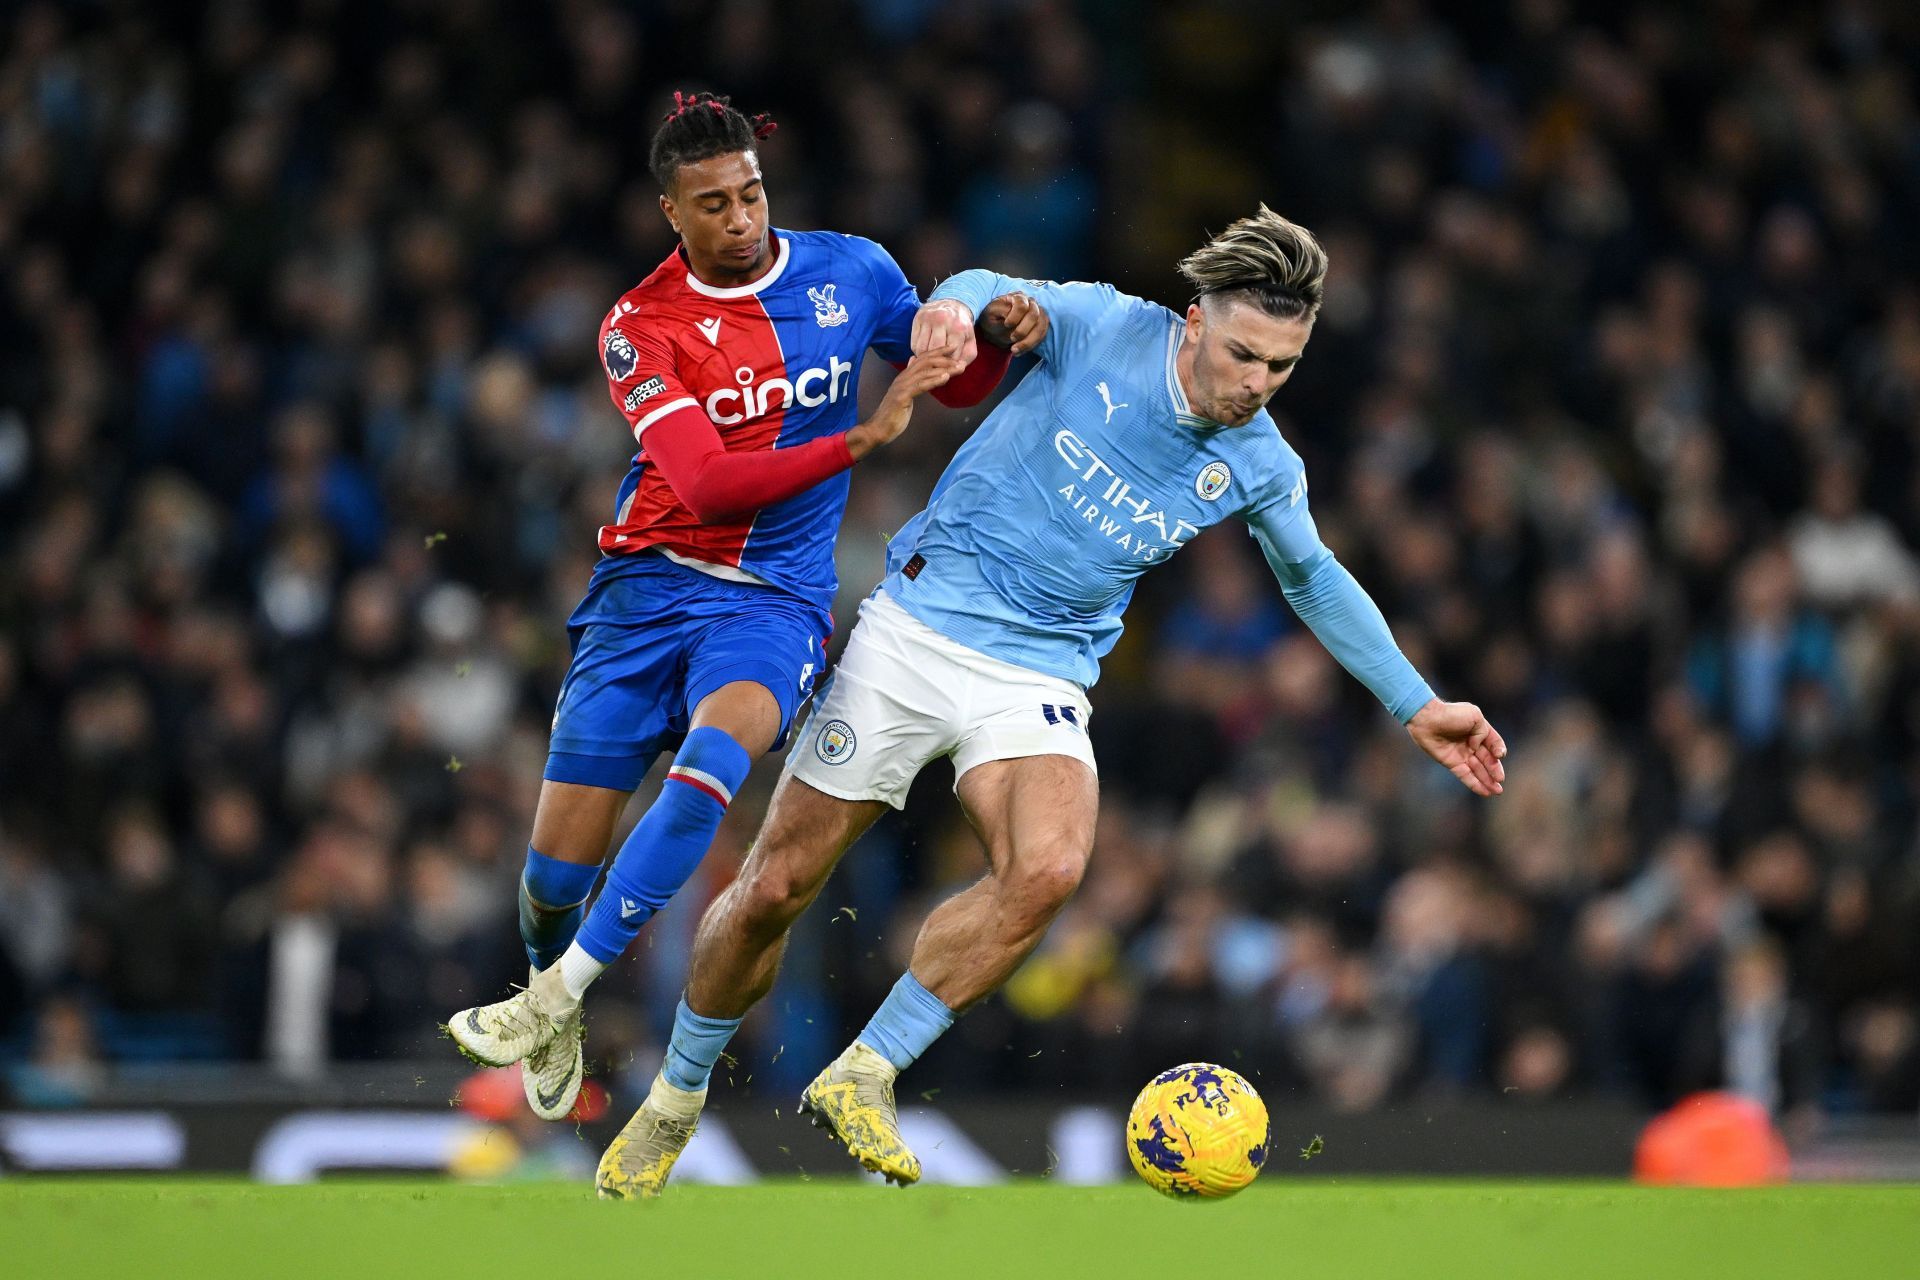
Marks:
<point>671,1099</point>
<point>578,970</point>
<point>871,1059</point>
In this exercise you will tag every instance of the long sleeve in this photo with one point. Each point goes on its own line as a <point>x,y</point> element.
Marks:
<point>1336,608</point>
<point>977,381</point>
<point>717,485</point>
<point>1074,308</point>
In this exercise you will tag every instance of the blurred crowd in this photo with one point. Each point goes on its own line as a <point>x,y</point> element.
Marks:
<point>1614,406</point>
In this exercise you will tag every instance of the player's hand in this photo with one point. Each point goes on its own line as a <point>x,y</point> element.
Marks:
<point>1015,321</point>
<point>922,374</point>
<point>944,324</point>
<point>1459,737</point>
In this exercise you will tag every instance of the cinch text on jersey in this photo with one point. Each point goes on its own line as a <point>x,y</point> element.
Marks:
<point>755,399</point>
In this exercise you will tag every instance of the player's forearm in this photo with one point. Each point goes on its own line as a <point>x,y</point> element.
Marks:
<point>1347,621</point>
<point>975,288</point>
<point>716,485</point>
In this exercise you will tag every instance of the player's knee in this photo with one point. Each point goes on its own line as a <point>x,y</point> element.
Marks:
<point>1045,881</point>
<point>771,899</point>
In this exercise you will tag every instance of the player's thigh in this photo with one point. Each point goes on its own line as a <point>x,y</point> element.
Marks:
<point>1025,772</point>
<point>1035,814</point>
<point>617,704</point>
<point>574,823</point>
<point>803,838</point>
<point>750,670</point>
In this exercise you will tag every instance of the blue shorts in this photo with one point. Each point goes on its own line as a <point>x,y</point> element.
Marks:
<point>651,639</point>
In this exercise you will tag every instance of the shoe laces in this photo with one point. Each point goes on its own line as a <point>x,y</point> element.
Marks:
<point>677,1132</point>
<point>523,1017</point>
<point>872,1091</point>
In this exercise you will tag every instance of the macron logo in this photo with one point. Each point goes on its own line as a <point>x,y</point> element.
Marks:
<point>711,327</point>
<point>629,908</point>
<point>1107,396</point>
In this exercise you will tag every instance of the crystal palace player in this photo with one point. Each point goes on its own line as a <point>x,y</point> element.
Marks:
<point>735,364</point>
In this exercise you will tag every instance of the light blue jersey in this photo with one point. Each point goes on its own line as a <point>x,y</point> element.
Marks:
<point>1091,472</point>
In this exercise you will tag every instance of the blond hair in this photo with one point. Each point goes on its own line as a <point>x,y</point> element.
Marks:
<point>1276,264</point>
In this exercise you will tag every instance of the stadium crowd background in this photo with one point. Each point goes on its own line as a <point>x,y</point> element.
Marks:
<point>1614,406</point>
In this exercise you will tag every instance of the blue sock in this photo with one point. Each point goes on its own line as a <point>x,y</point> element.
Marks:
<point>910,1019</point>
<point>553,897</point>
<point>695,1047</point>
<point>669,842</point>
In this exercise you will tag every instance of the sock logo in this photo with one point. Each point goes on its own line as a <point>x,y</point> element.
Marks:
<point>629,908</point>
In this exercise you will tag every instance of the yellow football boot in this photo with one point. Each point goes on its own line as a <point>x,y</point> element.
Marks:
<point>853,1100</point>
<point>638,1160</point>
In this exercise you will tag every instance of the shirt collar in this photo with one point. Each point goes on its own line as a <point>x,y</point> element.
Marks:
<point>1182,411</point>
<point>700,286</point>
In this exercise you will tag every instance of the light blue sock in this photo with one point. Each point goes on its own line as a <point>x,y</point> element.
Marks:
<point>669,842</point>
<point>696,1045</point>
<point>909,1019</point>
<point>553,897</point>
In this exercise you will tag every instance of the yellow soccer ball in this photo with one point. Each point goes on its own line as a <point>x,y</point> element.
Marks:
<point>1198,1130</point>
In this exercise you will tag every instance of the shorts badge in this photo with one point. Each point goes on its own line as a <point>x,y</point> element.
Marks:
<point>836,742</point>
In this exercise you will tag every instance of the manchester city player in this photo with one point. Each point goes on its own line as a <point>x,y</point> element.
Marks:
<point>1138,429</point>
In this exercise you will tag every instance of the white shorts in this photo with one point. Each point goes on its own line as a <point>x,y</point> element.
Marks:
<point>904,695</point>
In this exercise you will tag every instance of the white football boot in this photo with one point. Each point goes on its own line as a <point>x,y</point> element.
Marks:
<point>528,1023</point>
<point>551,1076</point>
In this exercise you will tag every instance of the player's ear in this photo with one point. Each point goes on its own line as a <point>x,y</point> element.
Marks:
<point>1196,322</point>
<point>666,207</point>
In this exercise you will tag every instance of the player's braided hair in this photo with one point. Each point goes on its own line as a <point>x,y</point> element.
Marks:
<point>701,126</point>
<point>1275,264</point>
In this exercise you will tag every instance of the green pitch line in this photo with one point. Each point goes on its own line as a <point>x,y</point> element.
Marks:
<point>779,1231</point>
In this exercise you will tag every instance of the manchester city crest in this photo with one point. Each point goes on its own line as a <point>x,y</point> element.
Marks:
<point>1213,480</point>
<point>836,742</point>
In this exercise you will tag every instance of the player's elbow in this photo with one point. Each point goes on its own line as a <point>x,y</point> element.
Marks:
<point>707,505</point>
<point>708,512</point>
<point>959,397</point>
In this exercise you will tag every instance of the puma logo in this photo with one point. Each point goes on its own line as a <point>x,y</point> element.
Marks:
<point>1107,396</point>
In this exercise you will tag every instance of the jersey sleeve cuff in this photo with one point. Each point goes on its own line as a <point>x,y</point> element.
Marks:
<point>973,288</point>
<point>1408,705</point>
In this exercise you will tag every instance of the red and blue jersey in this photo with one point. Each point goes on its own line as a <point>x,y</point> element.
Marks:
<point>772,364</point>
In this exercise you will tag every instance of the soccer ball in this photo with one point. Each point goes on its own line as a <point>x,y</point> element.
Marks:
<point>1198,1130</point>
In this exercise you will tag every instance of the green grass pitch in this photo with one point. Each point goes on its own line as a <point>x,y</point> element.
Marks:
<point>208,1229</point>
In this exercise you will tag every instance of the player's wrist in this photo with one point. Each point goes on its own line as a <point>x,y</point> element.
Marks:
<point>953,306</point>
